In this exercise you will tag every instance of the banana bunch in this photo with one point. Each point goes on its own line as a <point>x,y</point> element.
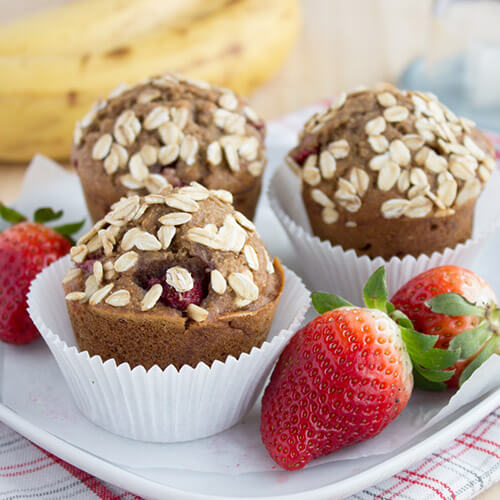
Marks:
<point>55,64</point>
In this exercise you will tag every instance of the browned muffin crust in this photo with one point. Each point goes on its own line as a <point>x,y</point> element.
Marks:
<point>388,172</point>
<point>169,130</point>
<point>191,241</point>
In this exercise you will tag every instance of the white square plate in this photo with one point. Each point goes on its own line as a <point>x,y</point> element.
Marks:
<point>24,370</point>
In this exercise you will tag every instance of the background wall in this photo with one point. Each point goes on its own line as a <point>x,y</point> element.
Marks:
<point>345,43</point>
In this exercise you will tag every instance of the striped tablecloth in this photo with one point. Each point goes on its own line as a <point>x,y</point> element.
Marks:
<point>469,465</point>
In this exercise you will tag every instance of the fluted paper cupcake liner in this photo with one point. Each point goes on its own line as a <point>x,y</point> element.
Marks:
<point>331,268</point>
<point>161,405</point>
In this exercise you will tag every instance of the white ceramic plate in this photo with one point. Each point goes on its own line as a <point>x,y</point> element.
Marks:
<point>19,367</point>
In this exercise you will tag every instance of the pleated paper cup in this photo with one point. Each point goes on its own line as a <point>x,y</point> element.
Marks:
<point>331,268</point>
<point>161,405</point>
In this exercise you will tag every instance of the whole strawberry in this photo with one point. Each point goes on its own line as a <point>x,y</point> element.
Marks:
<point>458,306</point>
<point>25,249</point>
<point>343,377</point>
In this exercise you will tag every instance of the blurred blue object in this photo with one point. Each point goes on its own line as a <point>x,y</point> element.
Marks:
<point>462,63</point>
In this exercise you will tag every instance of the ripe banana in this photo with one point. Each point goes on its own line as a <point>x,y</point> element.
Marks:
<point>50,81</point>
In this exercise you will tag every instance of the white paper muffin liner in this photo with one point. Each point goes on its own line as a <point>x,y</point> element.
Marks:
<point>331,268</point>
<point>160,405</point>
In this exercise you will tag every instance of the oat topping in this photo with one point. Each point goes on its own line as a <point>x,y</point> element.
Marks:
<point>171,128</point>
<point>256,168</point>
<point>78,253</point>
<point>214,153</point>
<point>151,298</point>
<point>100,294</point>
<point>386,99</point>
<point>72,273</point>
<point>115,246</point>
<point>321,198</point>
<point>120,298</point>
<point>98,271</point>
<point>76,296</point>
<point>375,126</point>
<point>126,261</point>
<point>329,215</point>
<point>196,313</point>
<point>425,160</point>
<point>396,114</point>
<point>222,195</point>
<point>339,149</point>
<point>251,257</point>
<point>327,164</point>
<point>102,147</point>
<point>378,143</point>
<point>243,286</point>
<point>180,279</point>
<point>166,235</point>
<point>91,286</point>
<point>218,282</point>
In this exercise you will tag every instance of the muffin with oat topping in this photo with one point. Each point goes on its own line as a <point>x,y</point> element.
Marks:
<point>172,278</point>
<point>169,130</point>
<point>389,172</point>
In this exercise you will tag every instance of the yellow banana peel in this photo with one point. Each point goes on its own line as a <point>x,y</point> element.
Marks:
<point>48,83</point>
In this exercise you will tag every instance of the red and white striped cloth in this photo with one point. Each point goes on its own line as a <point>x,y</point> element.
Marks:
<point>469,465</point>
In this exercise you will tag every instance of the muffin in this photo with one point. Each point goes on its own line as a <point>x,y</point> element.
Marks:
<point>169,130</point>
<point>390,172</point>
<point>173,278</point>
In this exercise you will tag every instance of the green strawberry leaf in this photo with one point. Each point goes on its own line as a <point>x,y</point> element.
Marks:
<point>324,302</point>
<point>422,383</point>
<point>435,359</point>
<point>422,352</point>
<point>435,375</point>
<point>46,214</point>
<point>454,304</point>
<point>416,341</point>
<point>470,341</point>
<point>487,351</point>
<point>11,215</point>
<point>390,307</point>
<point>399,317</point>
<point>375,290</point>
<point>67,230</point>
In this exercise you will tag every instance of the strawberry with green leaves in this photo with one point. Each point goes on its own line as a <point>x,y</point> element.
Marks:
<point>25,249</point>
<point>345,376</point>
<point>460,307</point>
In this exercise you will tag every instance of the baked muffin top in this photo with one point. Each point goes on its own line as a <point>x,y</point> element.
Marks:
<point>398,153</point>
<point>185,251</point>
<point>172,130</point>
